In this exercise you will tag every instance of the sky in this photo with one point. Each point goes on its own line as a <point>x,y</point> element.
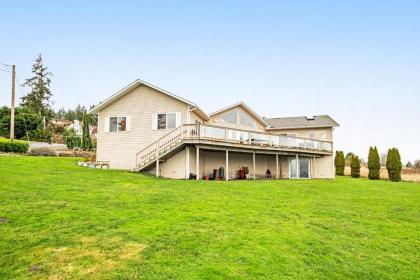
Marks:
<point>357,61</point>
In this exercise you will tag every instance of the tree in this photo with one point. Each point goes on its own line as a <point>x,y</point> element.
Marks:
<point>26,122</point>
<point>87,144</point>
<point>393,165</point>
<point>374,164</point>
<point>39,98</point>
<point>417,164</point>
<point>355,166</point>
<point>409,164</point>
<point>339,162</point>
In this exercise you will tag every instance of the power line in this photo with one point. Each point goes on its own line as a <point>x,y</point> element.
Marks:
<point>5,70</point>
<point>5,64</point>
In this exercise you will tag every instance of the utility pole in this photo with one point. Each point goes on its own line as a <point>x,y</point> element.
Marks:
<point>12,107</point>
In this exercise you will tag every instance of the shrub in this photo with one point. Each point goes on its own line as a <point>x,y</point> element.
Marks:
<point>394,165</point>
<point>374,164</point>
<point>71,139</point>
<point>15,146</point>
<point>355,167</point>
<point>339,162</point>
<point>43,151</point>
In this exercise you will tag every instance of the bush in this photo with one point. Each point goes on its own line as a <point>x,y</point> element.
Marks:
<point>43,151</point>
<point>374,164</point>
<point>394,165</point>
<point>15,146</point>
<point>71,139</point>
<point>355,167</point>
<point>340,163</point>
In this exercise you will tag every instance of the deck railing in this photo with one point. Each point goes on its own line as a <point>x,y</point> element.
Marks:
<point>229,135</point>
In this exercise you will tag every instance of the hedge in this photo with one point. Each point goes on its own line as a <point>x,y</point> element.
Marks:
<point>15,146</point>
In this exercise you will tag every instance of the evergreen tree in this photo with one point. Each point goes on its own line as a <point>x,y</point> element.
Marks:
<point>339,162</point>
<point>39,98</point>
<point>87,144</point>
<point>394,165</point>
<point>409,164</point>
<point>355,167</point>
<point>374,164</point>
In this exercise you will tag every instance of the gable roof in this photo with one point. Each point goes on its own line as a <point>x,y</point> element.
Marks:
<point>301,122</point>
<point>138,83</point>
<point>246,108</point>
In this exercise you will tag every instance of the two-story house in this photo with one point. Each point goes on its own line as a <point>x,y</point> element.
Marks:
<point>145,128</point>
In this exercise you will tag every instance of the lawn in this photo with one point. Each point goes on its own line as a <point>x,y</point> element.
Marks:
<point>62,221</point>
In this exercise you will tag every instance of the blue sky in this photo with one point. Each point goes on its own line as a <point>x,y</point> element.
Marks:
<point>358,61</point>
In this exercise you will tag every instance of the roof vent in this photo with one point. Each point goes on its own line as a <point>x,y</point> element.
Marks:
<point>310,118</point>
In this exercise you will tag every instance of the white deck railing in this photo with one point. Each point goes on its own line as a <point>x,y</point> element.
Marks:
<point>228,135</point>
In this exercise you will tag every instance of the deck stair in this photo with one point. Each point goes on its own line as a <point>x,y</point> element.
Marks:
<point>164,147</point>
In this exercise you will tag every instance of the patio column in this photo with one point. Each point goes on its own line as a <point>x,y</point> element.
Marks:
<point>157,167</point>
<point>187,162</point>
<point>227,166</point>
<point>297,167</point>
<point>314,168</point>
<point>197,163</point>
<point>253,163</point>
<point>277,166</point>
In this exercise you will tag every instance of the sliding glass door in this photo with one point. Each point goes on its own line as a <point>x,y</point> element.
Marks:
<point>302,169</point>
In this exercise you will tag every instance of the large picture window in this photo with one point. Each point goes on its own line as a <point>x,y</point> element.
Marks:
<point>239,118</point>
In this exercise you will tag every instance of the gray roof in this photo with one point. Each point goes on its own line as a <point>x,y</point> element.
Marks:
<point>301,122</point>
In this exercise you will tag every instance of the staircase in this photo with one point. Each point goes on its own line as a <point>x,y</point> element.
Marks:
<point>162,148</point>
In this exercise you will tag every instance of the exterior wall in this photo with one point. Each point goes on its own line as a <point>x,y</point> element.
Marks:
<point>120,148</point>
<point>324,167</point>
<point>305,133</point>
<point>216,120</point>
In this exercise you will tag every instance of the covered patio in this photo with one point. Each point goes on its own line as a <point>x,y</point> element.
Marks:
<point>217,163</point>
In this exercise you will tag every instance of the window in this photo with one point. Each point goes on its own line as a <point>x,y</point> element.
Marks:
<point>161,121</point>
<point>231,117</point>
<point>166,121</point>
<point>117,124</point>
<point>238,117</point>
<point>245,120</point>
<point>171,120</point>
<point>113,124</point>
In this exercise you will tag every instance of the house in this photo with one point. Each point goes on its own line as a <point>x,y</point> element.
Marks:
<point>145,128</point>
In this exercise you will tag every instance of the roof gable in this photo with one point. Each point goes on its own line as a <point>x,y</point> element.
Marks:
<point>121,93</point>
<point>246,108</point>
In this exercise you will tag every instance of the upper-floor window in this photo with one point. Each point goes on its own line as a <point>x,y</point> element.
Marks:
<point>231,117</point>
<point>239,118</point>
<point>166,120</point>
<point>116,124</point>
<point>246,120</point>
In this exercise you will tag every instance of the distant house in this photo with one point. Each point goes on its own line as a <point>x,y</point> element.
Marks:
<point>76,125</point>
<point>145,128</point>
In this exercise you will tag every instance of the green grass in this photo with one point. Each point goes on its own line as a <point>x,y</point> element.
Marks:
<point>71,222</point>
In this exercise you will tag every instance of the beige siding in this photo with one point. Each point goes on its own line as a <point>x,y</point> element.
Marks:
<point>318,133</point>
<point>324,167</point>
<point>120,148</point>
